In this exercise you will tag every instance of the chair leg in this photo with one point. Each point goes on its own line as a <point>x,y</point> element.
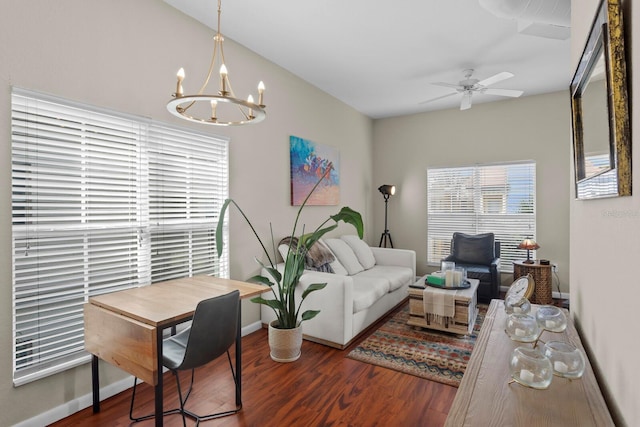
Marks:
<point>149,416</point>
<point>199,418</point>
<point>133,397</point>
<point>184,421</point>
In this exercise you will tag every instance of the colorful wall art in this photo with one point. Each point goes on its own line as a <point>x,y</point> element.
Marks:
<point>309,161</point>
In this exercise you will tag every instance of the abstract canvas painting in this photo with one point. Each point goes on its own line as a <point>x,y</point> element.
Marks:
<point>309,162</point>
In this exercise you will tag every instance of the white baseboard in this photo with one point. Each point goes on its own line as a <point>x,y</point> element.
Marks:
<point>82,402</point>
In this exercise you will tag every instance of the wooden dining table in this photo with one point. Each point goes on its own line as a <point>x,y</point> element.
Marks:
<point>125,328</point>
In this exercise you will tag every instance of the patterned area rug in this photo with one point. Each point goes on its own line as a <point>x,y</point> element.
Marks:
<point>433,355</point>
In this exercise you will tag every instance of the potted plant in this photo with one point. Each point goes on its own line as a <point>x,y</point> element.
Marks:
<point>283,284</point>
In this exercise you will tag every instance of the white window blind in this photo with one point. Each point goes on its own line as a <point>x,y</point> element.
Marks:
<point>480,199</point>
<point>101,201</point>
<point>188,183</point>
<point>602,178</point>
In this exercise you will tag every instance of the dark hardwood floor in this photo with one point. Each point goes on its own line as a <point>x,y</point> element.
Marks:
<point>322,388</point>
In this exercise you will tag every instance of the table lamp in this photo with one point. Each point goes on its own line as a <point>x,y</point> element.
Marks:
<point>529,244</point>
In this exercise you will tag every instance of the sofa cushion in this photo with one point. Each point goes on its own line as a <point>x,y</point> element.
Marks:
<point>361,249</point>
<point>396,276</point>
<point>473,249</point>
<point>367,291</point>
<point>336,266</point>
<point>345,255</point>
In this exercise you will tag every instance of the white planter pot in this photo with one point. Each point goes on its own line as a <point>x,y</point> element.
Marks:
<point>285,344</point>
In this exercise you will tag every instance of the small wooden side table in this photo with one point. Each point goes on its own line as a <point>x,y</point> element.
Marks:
<point>541,275</point>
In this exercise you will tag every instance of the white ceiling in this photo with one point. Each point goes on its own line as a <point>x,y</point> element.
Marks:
<point>381,57</point>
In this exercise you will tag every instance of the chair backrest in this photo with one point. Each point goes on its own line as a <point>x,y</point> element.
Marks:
<point>475,249</point>
<point>213,330</point>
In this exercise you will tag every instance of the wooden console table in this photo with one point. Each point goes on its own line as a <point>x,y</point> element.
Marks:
<point>485,397</point>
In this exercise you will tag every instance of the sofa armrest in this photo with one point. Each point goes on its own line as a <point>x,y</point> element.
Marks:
<point>397,257</point>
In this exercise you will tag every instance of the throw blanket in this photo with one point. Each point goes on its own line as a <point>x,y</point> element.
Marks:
<point>439,305</point>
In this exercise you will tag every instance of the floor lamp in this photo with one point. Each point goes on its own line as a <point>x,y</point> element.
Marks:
<point>386,190</point>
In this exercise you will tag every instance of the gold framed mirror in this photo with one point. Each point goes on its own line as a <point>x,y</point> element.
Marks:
<point>600,111</point>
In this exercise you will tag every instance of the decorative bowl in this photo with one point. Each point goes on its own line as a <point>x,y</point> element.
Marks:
<point>531,368</point>
<point>567,360</point>
<point>517,304</point>
<point>551,318</point>
<point>522,327</point>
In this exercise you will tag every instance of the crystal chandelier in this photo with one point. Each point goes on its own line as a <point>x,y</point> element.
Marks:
<point>223,108</point>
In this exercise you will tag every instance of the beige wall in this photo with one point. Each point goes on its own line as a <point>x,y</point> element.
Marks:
<point>604,249</point>
<point>529,128</point>
<point>124,55</point>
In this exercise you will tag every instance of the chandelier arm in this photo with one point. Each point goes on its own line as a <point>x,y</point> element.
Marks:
<point>211,65</point>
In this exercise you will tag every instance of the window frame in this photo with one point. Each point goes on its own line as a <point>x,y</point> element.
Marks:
<point>458,199</point>
<point>93,188</point>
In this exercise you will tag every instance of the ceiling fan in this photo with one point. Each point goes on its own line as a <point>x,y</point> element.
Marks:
<point>469,85</point>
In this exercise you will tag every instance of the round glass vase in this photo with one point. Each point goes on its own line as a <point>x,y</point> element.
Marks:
<point>531,368</point>
<point>517,304</point>
<point>567,360</point>
<point>522,327</point>
<point>551,318</point>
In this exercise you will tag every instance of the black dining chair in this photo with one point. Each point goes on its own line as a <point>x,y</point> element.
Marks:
<point>211,334</point>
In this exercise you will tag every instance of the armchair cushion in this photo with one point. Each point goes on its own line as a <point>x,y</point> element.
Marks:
<point>473,249</point>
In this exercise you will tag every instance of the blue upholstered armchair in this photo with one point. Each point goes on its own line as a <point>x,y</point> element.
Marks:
<point>480,255</point>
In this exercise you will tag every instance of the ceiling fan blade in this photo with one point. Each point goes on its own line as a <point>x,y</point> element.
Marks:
<point>447,85</point>
<point>503,92</point>
<point>465,104</point>
<point>439,97</point>
<point>495,79</point>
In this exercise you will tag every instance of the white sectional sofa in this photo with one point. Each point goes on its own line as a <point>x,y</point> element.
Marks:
<point>366,284</point>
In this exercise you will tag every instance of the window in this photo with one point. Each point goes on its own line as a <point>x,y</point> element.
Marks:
<point>101,202</point>
<point>480,199</point>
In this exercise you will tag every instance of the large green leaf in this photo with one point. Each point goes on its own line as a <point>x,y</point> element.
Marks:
<point>220,227</point>
<point>310,314</point>
<point>312,288</point>
<point>349,216</point>
<point>273,303</point>
<point>260,279</point>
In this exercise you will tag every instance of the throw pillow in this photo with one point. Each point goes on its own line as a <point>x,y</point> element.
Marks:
<point>473,249</point>
<point>318,258</point>
<point>361,249</point>
<point>345,255</point>
<point>335,264</point>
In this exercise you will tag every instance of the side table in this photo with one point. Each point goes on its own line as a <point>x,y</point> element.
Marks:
<point>541,276</point>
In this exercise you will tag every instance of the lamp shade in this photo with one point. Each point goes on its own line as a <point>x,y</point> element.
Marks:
<point>528,244</point>
<point>387,190</point>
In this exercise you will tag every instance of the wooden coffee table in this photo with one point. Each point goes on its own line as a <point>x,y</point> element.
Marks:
<point>466,308</point>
